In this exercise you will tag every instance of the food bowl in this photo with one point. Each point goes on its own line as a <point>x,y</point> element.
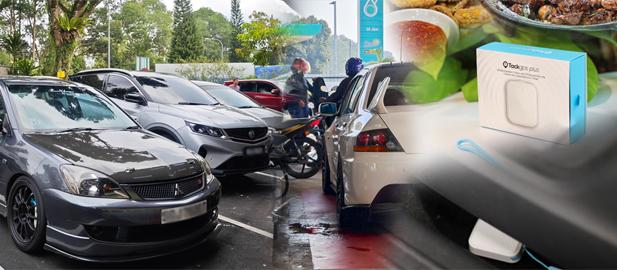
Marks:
<point>449,26</point>
<point>502,13</point>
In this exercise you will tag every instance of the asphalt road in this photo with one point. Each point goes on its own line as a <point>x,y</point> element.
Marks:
<point>247,200</point>
<point>300,231</point>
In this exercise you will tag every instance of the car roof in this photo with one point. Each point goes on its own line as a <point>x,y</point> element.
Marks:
<point>127,72</point>
<point>205,83</point>
<point>11,80</point>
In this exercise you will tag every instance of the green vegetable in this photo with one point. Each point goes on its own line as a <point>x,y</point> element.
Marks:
<point>470,90</point>
<point>420,87</point>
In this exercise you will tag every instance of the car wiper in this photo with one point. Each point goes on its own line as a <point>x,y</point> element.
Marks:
<point>75,129</point>
<point>133,127</point>
<point>195,103</point>
<point>247,107</point>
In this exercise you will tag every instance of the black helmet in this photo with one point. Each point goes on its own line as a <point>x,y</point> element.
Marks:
<point>353,66</point>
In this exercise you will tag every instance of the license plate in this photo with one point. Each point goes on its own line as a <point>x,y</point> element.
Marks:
<point>181,213</point>
<point>254,151</point>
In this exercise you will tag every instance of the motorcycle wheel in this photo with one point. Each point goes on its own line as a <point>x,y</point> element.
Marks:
<point>308,163</point>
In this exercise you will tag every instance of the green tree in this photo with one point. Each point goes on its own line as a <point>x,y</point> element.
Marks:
<point>263,40</point>
<point>315,50</point>
<point>187,43</point>
<point>236,22</point>
<point>67,21</point>
<point>138,28</point>
<point>213,25</point>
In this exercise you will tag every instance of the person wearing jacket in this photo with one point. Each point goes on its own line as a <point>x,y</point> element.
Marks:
<point>352,67</point>
<point>298,87</point>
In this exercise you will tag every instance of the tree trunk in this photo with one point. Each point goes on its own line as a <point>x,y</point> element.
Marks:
<point>63,42</point>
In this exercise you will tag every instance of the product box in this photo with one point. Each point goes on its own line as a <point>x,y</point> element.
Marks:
<point>531,91</point>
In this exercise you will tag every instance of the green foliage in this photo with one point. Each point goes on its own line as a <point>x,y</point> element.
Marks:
<point>14,45</point>
<point>314,50</point>
<point>213,72</point>
<point>422,87</point>
<point>236,21</point>
<point>72,24</point>
<point>187,44</point>
<point>263,40</point>
<point>25,67</point>
<point>214,25</point>
<point>138,28</point>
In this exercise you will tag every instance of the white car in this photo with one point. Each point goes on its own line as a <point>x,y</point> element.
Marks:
<point>367,146</point>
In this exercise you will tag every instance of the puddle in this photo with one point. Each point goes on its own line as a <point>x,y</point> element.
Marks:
<point>321,228</point>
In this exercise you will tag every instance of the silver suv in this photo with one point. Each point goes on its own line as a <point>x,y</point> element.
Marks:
<point>233,142</point>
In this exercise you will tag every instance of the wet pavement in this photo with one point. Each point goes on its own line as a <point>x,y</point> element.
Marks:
<point>300,231</point>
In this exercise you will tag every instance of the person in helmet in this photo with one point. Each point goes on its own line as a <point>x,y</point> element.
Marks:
<point>352,67</point>
<point>297,88</point>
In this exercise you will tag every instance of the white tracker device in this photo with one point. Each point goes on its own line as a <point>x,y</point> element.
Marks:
<point>488,241</point>
<point>531,91</point>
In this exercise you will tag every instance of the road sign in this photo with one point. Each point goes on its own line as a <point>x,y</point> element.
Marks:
<point>370,30</point>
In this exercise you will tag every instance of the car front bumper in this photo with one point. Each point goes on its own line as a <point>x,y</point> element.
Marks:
<point>227,156</point>
<point>108,230</point>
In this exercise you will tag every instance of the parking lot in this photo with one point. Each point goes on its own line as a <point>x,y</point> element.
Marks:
<point>299,231</point>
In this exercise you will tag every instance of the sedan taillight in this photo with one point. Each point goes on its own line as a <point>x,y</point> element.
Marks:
<point>379,140</point>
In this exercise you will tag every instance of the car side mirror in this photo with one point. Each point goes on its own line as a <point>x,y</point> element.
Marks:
<point>5,126</point>
<point>327,109</point>
<point>135,98</point>
<point>276,92</point>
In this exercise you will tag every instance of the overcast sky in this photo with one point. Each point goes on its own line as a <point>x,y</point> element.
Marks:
<point>346,14</point>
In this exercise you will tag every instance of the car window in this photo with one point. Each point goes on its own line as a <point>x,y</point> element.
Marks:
<point>264,88</point>
<point>118,86</point>
<point>355,95</point>
<point>174,90</point>
<point>52,108</point>
<point>94,80</point>
<point>2,109</point>
<point>248,86</point>
<point>398,92</point>
<point>230,97</point>
<point>351,96</point>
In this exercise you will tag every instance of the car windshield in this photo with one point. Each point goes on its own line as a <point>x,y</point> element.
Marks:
<point>44,108</point>
<point>174,90</point>
<point>230,97</point>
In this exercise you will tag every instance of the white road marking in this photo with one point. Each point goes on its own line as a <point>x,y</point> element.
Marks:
<point>268,175</point>
<point>281,206</point>
<point>245,226</point>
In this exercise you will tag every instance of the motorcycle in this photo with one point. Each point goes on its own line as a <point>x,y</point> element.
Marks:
<point>297,148</point>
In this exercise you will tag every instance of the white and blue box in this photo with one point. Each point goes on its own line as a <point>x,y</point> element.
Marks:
<point>532,91</point>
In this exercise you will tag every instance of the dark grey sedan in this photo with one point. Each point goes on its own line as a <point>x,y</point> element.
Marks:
<point>80,178</point>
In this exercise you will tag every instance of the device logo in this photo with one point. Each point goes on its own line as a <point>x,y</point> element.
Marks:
<point>371,9</point>
<point>510,65</point>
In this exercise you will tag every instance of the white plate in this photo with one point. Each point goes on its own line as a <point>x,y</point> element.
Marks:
<point>181,213</point>
<point>449,26</point>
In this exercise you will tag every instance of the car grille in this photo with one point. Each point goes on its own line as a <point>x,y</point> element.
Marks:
<point>169,190</point>
<point>247,134</point>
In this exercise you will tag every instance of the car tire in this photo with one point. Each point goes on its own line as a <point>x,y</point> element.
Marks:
<point>355,218</point>
<point>166,135</point>
<point>26,215</point>
<point>326,184</point>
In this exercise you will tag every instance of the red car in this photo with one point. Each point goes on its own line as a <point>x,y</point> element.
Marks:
<point>264,92</point>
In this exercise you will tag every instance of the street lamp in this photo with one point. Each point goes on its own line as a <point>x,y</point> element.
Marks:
<point>222,47</point>
<point>333,3</point>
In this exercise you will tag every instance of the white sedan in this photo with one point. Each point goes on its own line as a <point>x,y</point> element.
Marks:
<point>368,147</point>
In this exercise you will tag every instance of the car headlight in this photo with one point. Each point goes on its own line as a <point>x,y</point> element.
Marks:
<point>86,182</point>
<point>206,130</point>
<point>206,167</point>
